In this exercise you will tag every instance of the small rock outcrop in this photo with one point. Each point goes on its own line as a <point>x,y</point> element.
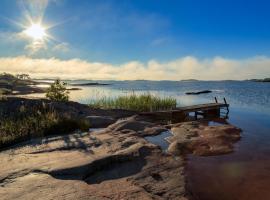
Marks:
<point>199,92</point>
<point>201,139</point>
<point>143,128</point>
<point>99,121</point>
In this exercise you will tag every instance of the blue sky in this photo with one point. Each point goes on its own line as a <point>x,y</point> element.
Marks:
<point>123,31</point>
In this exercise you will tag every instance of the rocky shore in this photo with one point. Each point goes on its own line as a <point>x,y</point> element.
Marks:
<point>115,162</point>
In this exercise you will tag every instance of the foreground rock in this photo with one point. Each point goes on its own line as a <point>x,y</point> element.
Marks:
<point>201,139</point>
<point>143,128</point>
<point>113,163</point>
<point>116,163</point>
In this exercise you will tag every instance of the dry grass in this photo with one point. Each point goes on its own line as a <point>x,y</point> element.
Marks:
<point>36,122</point>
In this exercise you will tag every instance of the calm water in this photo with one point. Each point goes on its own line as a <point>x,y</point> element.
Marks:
<point>244,174</point>
<point>160,139</point>
<point>251,95</point>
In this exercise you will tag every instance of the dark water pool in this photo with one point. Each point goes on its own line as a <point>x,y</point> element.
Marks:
<point>242,175</point>
<point>160,139</point>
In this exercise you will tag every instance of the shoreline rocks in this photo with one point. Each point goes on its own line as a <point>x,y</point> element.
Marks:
<point>203,140</point>
<point>114,163</point>
<point>92,165</point>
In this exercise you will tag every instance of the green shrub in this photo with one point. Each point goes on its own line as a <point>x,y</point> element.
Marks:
<point>57,91</point>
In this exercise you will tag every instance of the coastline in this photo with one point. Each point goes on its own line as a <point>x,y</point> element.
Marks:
<point>193,179</point>
<point>120,145</point>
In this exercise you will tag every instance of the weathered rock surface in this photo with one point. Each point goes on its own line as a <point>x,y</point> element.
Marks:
<point>116,163</point>
<point>143,128</point>
<point>100,121</point>
<point>113,163</point>
<point>200,139</point>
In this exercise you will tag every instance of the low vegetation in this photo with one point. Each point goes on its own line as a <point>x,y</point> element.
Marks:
<point>144,102</point>
<point>25,124</point>
<point>58,91</point>
<point>261,80</point>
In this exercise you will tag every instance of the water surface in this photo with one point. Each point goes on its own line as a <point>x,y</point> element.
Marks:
<point>242,175</point>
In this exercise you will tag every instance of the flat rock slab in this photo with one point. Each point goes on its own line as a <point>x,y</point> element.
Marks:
<point>201,139</point>
<point>116,163</point>
<point>143,128</point>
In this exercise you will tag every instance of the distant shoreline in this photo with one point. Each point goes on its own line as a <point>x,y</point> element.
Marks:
<point>265,80</point>
<point>88,84</point>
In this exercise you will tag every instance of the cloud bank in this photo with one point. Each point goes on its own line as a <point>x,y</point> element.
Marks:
<point>188,67</point>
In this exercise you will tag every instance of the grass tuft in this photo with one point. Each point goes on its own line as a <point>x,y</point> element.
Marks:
<point>135,102</point>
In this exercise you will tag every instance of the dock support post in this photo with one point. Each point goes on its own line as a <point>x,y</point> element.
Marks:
<point>213,113</point>
<point>226,105</point>
<point>225,101</point>
<point>178,117</point>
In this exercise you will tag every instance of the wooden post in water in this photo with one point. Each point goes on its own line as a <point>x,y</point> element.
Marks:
<point>225,101</point>
<point>216,100</point>
<point>178,117</point>
<point>226,105</point>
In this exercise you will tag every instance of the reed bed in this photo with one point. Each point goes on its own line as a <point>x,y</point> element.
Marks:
<point>135,102</point>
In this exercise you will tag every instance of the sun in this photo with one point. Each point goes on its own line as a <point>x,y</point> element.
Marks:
<point>36,32</point>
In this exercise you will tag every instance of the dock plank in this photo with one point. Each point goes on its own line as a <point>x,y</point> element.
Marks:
<point>180,114</point>
<point>201,107</point>
<point>193,108</point>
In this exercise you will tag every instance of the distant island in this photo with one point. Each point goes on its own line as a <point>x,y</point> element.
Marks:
<point>22,84</point>
<point>88,84</point>
<point>187,80</point>
<point>19,84</point>
<point>260,80</point>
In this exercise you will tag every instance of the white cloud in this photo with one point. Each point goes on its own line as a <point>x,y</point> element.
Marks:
<point>217,68</point>
<point>61,47</point>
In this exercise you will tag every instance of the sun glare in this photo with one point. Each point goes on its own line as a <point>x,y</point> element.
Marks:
<point>36,31</point>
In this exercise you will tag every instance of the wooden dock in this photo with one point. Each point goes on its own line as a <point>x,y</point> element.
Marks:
<point>209,110</point>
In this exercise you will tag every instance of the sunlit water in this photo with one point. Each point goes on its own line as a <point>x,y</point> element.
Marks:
<point>244,174</point>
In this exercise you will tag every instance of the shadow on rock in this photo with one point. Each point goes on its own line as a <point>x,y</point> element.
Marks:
<point>106,168</point>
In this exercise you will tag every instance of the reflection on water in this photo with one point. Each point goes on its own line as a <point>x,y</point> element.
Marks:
<point>238,93</point>
<point>251,95</point>
<point>43,85</point>
<point>244,174</point>
<point>160,139</point>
